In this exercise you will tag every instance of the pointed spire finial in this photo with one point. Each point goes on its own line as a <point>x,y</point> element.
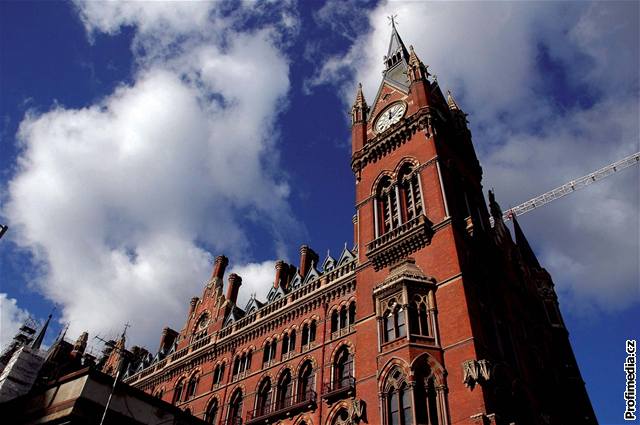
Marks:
<point>453,105</point>
<point>392,20</point>
<point>38,341</point>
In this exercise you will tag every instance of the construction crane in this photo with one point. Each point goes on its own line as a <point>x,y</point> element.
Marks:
<point>570,187</point>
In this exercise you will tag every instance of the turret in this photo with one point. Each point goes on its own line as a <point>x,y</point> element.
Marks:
<point>418,77</point>
<point>359,112</point>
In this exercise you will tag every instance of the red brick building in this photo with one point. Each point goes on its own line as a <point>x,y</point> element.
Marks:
<point>436,316</point>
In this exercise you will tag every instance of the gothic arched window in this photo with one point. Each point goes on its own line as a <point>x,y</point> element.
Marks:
<point>285,344</point>
<point>343,368</point>
<point>399,406</point>
<point>263,403</point>
<point>235,408</point>
<point>306,382</point>
<point>410,194</point>
<point>426,395</point>
<point>341,417</point>
<point>394,323</point>
<point>386,210</point>
<point>266,354</point>
<point>352,313</point>
<point>284,390</point>
<point>212,412</point>
<point>312,331</point>
<point>334,321</point>
<point>177,391</point>
<point>218,374</point>
<point>192,387</point>
<point>343,317</point>
<point>419,316</point>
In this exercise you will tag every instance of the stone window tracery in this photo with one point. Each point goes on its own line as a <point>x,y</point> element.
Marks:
<point>398,406</point>
<point>212,412</point>
<point>235,408</point>
<point>394,325</point>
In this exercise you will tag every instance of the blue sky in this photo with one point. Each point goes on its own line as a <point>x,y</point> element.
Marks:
<point>139,140</point>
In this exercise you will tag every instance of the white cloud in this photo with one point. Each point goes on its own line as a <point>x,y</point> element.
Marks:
<point>120,200</point>
<point>535,131</point>
<point>11,318</point>
<point>257,279</point>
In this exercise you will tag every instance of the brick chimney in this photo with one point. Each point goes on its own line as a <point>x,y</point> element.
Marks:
<point>234,285</point>
<point>307,257</point>
<point>167,338</point>
<point>219,267</point>
<point>281,273</point>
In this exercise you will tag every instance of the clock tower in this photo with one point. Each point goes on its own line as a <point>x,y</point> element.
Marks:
<point>462,328</point>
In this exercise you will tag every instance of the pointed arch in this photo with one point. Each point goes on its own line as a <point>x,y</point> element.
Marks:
<point>212,411</point>
<point>234,413</point>
<point>429,390</point>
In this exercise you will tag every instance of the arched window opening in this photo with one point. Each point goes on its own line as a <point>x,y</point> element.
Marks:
<point>411,197</point>
<point>401,328</point>
<point>305,334</point>
<point>343,317</point>
<point>212,412</point>
<point>218,374</point>
<point>236,366</point>
<point>394,325</point>
<point>177,391</point>
<point>272,352</point>
<point>192,387</point>
<point>285,344</point>
<point>263,404</point>
<point>343,368</point>
<point>426,396</point>
<point>352,313</point>
<point>334,321</point>
<point>306,382</point>
<point>235,408</point>
<point>423,317</point>
<point>284,390</point>
<point>292,341</point>
<point>399,406</point>
<point>312,331</point>
<point>266,354</point>
<point>389,328</point>
<point>386,212</point>
<point>341,418</point>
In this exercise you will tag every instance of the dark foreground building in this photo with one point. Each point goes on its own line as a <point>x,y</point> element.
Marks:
<point>436,316</point>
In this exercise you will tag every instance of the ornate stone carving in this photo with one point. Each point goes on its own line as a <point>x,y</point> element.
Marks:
<point>357,411</point>
<point>475,372</point>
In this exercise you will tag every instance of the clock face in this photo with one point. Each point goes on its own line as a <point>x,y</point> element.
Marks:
<point>390,116</point>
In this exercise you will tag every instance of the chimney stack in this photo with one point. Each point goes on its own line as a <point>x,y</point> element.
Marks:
<point>307,257</point>
<point>234,285</point>
<point>219,267</point>
<point>167,339</point>
<point>281,272</point>
<point>193,303</point>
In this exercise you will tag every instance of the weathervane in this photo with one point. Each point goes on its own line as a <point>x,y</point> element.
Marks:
<point>392,20</point>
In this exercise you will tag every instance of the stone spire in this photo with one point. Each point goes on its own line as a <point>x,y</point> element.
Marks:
<point>525,249</point>
<point>38,341</point>
<point>417,70</point>
<point>453,105</point>
<point>359,109</point>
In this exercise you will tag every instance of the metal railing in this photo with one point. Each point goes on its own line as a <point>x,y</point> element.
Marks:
<point>281,407</point>
<point>338,386</point>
